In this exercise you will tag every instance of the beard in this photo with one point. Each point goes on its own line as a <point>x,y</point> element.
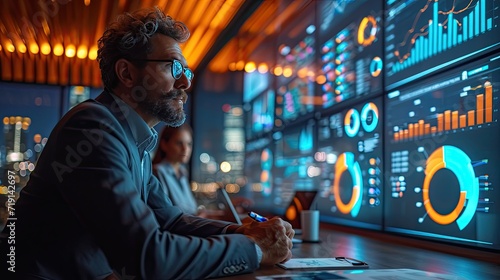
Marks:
<point>166,107</point>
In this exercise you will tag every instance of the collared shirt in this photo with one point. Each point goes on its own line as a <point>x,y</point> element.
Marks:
<point>145,137</point>
<point>176,188</point>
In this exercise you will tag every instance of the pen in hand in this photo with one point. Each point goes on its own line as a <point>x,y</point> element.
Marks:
<point>257,217</point>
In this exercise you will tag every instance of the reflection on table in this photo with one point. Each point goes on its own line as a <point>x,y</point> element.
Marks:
<point>382,251</point>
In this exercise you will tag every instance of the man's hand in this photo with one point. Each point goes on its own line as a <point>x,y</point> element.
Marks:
<point>274,238</point>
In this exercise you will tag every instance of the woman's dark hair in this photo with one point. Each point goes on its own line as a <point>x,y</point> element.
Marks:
<point>166,134</point>
<point>128,38</point>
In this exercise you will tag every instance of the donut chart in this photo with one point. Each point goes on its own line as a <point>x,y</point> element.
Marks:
<point>369,107</point>
<point>352,125</point>
<point>367,31</point>
<point>376,66</point>
<point>346,162</point>
<point>458,162</point>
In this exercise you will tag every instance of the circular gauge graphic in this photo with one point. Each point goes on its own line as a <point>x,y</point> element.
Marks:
<point>266,163</point>
<point>458,162</point>
<point>367,31</point>
<point>365,114</point>
<point>376,66</point>
<point>352,122</point>
<point>346,162</point>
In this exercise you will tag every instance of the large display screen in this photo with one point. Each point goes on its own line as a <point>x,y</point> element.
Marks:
<point>295,69</point>
<point>259,162</point>
<point>253,84</point>
<point>350,48</point>
<point>259,114</point>
<point>426,36</point>
<point>349,155</point>
<point>292,100</point>
<point>442,156</point>
<point>294,167</point>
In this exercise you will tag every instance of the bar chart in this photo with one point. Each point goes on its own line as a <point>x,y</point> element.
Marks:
<point>427,36</point>
<point>453,119</point>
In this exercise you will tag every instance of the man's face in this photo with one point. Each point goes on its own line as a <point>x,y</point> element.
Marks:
<point>157,92</point>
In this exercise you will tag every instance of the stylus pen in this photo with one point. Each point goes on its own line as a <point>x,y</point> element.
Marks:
<point>257,217</point>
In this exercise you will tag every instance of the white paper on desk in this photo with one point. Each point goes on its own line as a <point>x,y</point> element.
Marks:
<point>365,274</point>
<point>319,263</point>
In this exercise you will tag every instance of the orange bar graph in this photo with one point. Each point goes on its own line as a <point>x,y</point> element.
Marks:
<point>454,119</point>
<point>463,121</point>
<point>489,101</point>
<point>480,108</point>
<point>470,117</point>
<point>440,122</point>
<point>447,120</point>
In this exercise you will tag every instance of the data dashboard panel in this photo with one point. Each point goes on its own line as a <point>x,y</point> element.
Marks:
<point>350,50</point>
<point>442,155</point>
<point>349,157</point>
<point>259,114</point>
<point>294,167</point>
<point>425,36</point>
<point>294,69</point>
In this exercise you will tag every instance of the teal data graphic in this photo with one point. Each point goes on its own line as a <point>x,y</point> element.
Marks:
<point>426,36</point>
<point>294,167</point>
<point>442,156</point>
<point>459,163</point>
<point>349,156</point>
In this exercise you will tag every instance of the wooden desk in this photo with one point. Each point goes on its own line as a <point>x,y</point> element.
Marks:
<point>382,251</point>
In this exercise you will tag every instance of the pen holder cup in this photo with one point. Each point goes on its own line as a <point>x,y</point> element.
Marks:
<point>309,220</point>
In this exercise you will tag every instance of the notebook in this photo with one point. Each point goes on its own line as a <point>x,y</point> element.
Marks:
<point>323,263</point>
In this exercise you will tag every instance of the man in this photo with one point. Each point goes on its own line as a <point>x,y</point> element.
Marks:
<point>93,210</point>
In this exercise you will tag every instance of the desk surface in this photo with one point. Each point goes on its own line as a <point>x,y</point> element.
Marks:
<point>381,253</point>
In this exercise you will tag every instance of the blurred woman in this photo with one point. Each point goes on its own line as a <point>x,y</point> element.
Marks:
<point>169,165</point>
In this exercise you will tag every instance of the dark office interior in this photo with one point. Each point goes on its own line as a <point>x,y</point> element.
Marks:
<point>388,110</point>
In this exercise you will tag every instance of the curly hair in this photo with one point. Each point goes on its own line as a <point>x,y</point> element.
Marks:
<point>128,38</point>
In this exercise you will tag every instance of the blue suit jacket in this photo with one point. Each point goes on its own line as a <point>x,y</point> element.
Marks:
<point>85,212</point>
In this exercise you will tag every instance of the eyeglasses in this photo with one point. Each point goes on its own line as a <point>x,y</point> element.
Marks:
<point>177,68</point>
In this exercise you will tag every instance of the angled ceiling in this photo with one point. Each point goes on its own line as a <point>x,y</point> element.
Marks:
<point>55,41</point>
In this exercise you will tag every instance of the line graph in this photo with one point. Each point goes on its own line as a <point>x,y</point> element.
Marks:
<point>426,36</point>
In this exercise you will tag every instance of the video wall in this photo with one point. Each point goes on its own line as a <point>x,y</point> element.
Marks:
<point>395,124</point>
